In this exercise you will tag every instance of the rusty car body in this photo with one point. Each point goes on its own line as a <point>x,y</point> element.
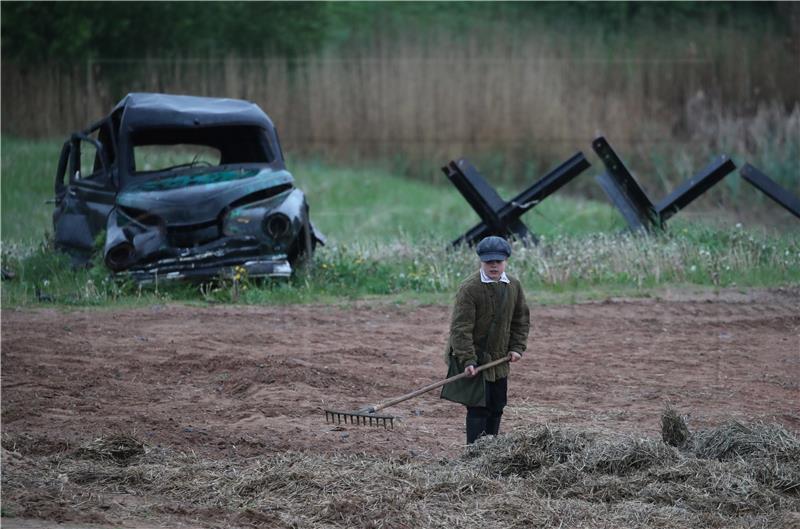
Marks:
<point>182,187</point>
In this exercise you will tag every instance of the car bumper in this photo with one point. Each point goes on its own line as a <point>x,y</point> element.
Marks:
<point>199,267</point>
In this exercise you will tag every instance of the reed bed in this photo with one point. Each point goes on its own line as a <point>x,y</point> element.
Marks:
<point>516,105</point>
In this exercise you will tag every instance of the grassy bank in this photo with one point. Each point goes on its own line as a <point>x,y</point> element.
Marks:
<point>389,236</point>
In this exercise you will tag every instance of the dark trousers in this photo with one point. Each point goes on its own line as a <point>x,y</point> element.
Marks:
<point>485,420</point>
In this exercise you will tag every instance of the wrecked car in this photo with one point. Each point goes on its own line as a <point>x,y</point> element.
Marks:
<point>181,187</point>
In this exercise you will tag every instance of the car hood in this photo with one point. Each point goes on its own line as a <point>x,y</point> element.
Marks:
<point>195,198</point>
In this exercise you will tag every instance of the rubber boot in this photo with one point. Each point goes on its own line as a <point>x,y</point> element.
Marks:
<point>476,427</point>
<point>493,425</point>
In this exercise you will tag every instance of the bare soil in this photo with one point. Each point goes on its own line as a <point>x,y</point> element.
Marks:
<point>234,381</point>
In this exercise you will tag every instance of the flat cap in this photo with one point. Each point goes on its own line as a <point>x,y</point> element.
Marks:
<point>493,248</point>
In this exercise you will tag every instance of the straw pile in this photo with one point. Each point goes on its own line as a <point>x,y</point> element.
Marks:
<point>733,469</point>
<point>119,449</point>
<point>733,476</point>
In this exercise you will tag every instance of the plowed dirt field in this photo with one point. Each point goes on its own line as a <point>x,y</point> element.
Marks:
<point>242,381</point>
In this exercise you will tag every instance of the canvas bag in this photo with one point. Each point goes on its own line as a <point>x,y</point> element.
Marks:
<point>472,391</point>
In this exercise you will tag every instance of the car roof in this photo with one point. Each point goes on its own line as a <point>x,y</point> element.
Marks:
<point>145,110</point>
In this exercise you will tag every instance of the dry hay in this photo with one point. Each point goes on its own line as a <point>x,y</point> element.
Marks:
<point>735,440</point>
<point>733,476</point>
<point>674,431</point>
<point>733,469</point>
<point>119,449</point>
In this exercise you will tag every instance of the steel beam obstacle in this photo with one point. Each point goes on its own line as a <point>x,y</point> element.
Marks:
<point>499,217</point>
<point>770,188</point>
<point>631,200</point>
<point>625,192</point>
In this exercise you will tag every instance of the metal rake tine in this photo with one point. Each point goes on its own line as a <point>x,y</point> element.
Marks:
<point>359,417</point>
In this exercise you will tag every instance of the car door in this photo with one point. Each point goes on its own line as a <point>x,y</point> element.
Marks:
<point>85,192</point>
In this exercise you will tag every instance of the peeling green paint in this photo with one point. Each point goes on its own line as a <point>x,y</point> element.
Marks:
<point>265,177</point>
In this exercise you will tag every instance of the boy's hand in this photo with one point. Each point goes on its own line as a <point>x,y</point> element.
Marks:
<point>515,356</point>
<point>470,371</point>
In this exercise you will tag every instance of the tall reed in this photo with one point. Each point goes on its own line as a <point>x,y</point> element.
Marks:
<point>515,105</point>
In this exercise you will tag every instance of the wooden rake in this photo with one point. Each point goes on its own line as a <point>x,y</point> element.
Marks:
<point>368,414</point>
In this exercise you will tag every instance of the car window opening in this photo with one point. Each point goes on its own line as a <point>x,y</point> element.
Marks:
<point>162,149</point>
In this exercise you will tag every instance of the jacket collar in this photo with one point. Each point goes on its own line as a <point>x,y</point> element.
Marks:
<point>486,279</point>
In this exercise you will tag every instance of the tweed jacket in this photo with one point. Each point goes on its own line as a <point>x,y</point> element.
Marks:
<point>473,312</point>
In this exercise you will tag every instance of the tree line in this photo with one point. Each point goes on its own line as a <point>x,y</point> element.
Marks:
<point>61,32</point>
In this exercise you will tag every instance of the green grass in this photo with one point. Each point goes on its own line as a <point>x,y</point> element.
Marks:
<point>388,237</point>
<point>366,204</point>
<point>26,183</point>
<point>348,205</point>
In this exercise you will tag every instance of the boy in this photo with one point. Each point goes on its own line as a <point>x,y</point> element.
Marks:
<point>490,320</point>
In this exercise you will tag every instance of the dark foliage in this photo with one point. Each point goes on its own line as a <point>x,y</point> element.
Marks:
<point>34,32</point>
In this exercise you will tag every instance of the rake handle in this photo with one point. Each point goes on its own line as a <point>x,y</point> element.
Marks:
<point>420,391</point>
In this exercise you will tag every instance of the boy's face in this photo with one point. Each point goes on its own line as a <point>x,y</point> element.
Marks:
<point>493,269</point>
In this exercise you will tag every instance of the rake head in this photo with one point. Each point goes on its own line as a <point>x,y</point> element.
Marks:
<point>362,417</point>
